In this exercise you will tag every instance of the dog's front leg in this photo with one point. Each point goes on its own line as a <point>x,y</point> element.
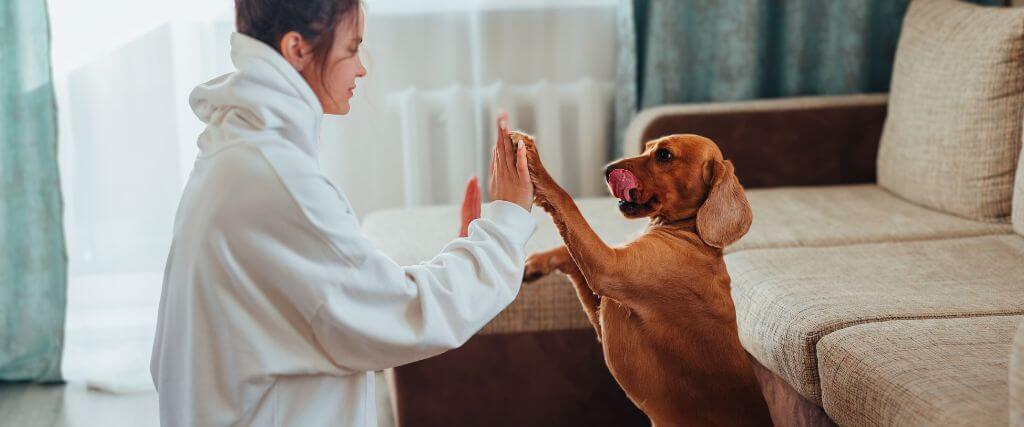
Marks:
<point>542,263</point>
<point>599,264</point>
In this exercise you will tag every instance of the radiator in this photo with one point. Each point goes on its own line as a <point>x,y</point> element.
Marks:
<point>447,134</point>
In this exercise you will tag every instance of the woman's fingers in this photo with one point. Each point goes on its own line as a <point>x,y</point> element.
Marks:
<point>472,195</point>
<point>499,123</point>
<point>501,145</point>
<point>476,198</point>
<point>521,162</point>
<point>508,147</point>
<point>502,119</point>
<point>463,219</point>
<point>492,177</point>
<point>470,205</point>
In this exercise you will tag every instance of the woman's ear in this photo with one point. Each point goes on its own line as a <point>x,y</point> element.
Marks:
<point>295,50</point>
<point>725,215</point>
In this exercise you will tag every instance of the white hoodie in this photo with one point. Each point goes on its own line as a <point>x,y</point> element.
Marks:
<point>276,309</point>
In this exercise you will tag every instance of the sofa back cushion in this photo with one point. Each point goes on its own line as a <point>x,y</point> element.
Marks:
<point>953,130</point>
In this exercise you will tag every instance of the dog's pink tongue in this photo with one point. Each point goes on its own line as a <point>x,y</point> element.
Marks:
<point>621,181</point>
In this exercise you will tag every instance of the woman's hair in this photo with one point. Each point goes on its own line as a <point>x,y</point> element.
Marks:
<point>315,20</point>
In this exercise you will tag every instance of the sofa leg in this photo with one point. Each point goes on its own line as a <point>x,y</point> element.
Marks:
<point>788,408</point>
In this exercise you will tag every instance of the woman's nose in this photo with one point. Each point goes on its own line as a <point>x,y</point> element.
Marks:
<point>362,69</point>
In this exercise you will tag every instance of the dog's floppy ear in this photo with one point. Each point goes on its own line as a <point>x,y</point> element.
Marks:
<point>725,215</point>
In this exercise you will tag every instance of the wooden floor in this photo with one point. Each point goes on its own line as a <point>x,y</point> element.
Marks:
<point>73,405</point>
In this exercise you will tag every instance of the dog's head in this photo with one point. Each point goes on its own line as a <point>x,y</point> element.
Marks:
<point>679,177</point>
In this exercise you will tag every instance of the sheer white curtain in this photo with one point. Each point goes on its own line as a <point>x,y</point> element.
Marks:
<point>419,127</point>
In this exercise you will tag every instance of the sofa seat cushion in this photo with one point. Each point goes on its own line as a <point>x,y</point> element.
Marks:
<point>940,372</point>
<point>848,214</point>
<point>783,217</point>
<point>787,299</point>
<point>1017,379</point>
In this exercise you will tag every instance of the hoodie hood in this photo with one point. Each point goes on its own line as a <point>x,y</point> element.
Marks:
<point>265,95</point>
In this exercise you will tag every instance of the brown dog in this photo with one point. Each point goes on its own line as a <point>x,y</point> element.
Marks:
<point>661,304</point>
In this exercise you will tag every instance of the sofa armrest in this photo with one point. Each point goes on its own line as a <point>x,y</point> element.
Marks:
<point>823,140</point>
<point>1017,379</point>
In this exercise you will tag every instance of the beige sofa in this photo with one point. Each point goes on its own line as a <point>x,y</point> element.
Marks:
<point>880,311</point>
<point>893,302</point>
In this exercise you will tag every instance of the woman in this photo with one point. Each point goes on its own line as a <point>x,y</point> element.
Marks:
<point>276,309</point>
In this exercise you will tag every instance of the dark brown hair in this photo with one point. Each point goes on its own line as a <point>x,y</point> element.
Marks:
<point>315,20</point>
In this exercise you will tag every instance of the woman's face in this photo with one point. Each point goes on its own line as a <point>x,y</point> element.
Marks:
<point>336,85</point>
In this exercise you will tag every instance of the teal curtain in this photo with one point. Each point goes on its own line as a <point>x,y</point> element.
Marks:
<point>675,51</point>
<point>33,262</point>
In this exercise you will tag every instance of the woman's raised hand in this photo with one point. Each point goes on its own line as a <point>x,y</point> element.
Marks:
<point>510,176</point>
<point>470,205</point>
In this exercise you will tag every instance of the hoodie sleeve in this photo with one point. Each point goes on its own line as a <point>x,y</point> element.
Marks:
<point>367,312</point>
<point>384,315</point>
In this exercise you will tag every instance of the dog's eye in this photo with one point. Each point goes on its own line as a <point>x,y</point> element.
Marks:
<point>663,155</point>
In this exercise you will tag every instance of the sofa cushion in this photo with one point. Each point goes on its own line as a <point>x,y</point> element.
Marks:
<point>939,372</point>
<point>787,217</point>
<point>783,217</point>
<point>953,128</point>
<point>787,299</point>
<point>1018,197</point>
<point>1017,379</point>
<point>849,214</point>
